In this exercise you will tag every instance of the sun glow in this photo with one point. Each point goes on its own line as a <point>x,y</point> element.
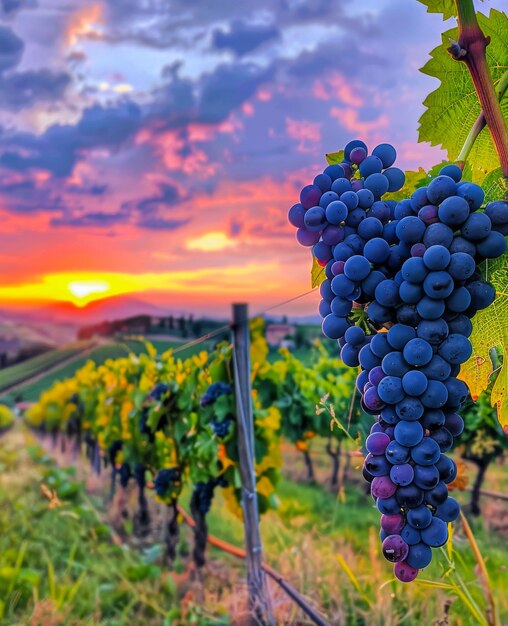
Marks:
<point>81,289</point>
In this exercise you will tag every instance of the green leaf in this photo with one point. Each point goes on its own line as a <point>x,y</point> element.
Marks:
<point>317,273</point>
<point>495,185</point>
<point>490,330</point>
<point>335,157</point>
<point>446,7</point>
<point>453,107</point>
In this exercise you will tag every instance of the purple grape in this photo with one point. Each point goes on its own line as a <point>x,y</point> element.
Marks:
<point>377,443</point>
<point>296,214</point>
<point>395,549</point>
<point>358,155</point>
<point>402,474</point>
<point>382,487</point>
<point>310,196</point>
<point>418,249</point>
<point>392,524</point>
<point>404,572</point>
<point>332,235</point>
<point>376,375</point>
<point>372,400</point>
<point>306,237</point>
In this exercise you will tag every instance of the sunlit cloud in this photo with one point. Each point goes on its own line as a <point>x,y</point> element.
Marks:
<point>83,22</point>
<point>211,242</point>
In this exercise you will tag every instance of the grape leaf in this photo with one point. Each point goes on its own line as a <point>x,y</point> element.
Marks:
<point>317,273</point>
<point>446,7</point>
<point>490,330</point>
<point>453,107</point>
<point>495,185</point>
<point>335,157</point>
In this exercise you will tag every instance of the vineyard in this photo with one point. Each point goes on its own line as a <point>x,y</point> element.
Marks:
<point>247,472</point>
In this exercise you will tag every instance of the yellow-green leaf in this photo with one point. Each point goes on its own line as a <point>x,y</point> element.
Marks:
<point>495,186</point>
<point>446,7</point>
<point>453,107</point>
<point>317,273</point>
<point>335,157</point>
<point>490,330</point>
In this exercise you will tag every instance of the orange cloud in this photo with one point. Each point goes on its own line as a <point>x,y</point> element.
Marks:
<point>211,242</point>
<point>82,23</point>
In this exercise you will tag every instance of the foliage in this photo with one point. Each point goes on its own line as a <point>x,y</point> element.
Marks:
<point>317,273</point>
<point>446,7</point>
<point>115,403</point>
<point>482,436</point>
<point>6,417</point>
<point>297,390</point>
<point>167,430</point>
<point>453,107</point>
<point>490,331</point>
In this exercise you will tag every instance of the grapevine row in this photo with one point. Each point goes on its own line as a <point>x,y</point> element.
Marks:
<point>170,424</point>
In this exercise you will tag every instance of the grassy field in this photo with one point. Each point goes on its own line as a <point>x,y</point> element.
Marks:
<point>31,367</point>
<point>32,390</point>
<point>61,564</point>
<point>67,560</point>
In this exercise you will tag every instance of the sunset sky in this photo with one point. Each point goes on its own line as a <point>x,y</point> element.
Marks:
<point>156,145</point>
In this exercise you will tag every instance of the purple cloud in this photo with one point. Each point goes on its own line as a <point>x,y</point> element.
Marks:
<point>242,37</point>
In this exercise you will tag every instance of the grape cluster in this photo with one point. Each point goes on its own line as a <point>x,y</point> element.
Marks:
<point>139,475</point>
<point>158,391</point>
<point>125,474</point>
<point>204,492</point>
<point>402,284</point>
<point>113,450</point>
<point>214,391</point>
<point>221,429</point>
<point>164,479</point>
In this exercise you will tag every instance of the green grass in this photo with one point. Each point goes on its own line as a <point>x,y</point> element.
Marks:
<point>31,367</point>
<point>327,547</point>
<point>63,565</point>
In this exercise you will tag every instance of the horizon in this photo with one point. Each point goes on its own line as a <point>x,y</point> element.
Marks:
<point>155,153</point>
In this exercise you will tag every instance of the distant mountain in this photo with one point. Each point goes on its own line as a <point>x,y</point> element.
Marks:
<point>107,309</point>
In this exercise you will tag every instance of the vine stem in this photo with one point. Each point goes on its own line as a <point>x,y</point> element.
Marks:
<point>470,49</point>
<point>480,124</point>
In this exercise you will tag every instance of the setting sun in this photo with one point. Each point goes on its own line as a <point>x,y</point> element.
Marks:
<point>81,289</point>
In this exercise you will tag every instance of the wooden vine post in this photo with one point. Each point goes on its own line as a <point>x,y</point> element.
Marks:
<point>260,603</point>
